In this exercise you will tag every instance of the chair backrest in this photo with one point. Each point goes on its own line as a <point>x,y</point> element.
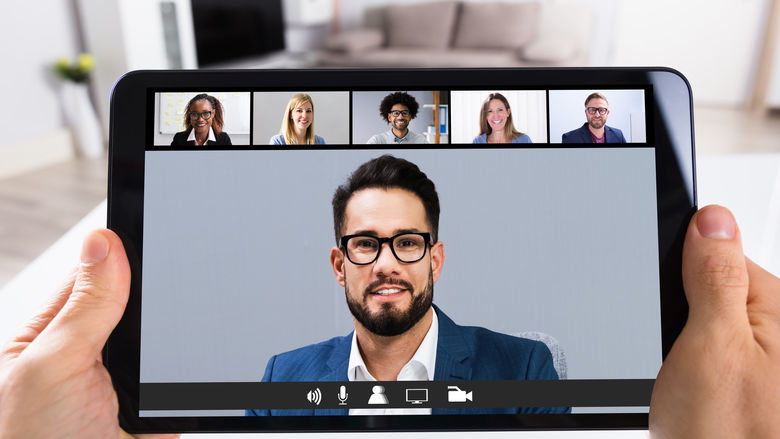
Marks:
<point>558,356</point>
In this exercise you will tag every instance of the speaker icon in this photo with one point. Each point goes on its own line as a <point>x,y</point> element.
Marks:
<point>314,396</point>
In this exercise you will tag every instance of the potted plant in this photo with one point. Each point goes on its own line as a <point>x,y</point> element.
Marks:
<point>77,107</point>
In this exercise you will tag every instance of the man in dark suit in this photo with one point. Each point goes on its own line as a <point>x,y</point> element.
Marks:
<point>595,130</point>
<point>399,334</point>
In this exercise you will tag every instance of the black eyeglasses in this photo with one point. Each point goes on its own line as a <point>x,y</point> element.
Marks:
<point>397,113</point>
<point>365,249</point>
<point>600,110</point>
<point>206,115</point>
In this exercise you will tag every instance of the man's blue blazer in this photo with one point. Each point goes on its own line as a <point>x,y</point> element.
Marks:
<point>582,135</point>
<point>462,353</point>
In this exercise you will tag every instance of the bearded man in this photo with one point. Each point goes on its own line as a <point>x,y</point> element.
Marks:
<point>388,258</point>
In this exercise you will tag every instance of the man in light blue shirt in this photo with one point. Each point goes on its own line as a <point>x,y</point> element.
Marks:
<point>398,109</point>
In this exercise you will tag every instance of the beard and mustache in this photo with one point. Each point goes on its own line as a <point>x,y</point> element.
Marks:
<point>390,320</point>
<point>597,124</point>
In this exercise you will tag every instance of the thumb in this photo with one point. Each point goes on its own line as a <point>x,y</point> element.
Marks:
<point>98,298</point>
<point>715,274</point>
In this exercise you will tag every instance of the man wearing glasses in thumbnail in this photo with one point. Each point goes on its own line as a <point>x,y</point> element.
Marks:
<point>398,109</point>
<point>388,258</point>
<point>595,130</point>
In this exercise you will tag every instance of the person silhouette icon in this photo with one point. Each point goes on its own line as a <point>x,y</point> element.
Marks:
<point>378,397</point>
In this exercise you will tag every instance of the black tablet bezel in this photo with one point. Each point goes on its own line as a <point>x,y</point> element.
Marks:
<point>670,128</point>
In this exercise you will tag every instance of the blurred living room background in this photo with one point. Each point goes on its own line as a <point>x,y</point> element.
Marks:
<point>728,50</point>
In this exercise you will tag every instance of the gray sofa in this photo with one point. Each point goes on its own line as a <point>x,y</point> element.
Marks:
<point>465,34</point>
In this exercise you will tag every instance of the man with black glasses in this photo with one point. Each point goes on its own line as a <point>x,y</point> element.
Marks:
<point>595,130</point>
<point>388,258</point>
<point>398,109</point>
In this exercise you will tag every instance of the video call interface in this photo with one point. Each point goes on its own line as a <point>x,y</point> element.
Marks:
<point>399,252</point>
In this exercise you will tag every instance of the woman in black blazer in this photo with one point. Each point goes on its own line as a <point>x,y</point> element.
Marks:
<point>203,120</point>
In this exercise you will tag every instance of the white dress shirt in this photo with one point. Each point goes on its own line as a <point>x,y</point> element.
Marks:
<point>421,367</point>
<point>211,138</point>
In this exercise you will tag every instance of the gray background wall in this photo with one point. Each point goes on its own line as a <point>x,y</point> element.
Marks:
<point>331,115</point>
<point>236,254</point>
<point>365,114</point>
<point>567,111</point>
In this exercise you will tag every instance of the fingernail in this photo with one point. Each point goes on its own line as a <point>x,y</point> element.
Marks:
<point>716,222</point>
<point>95,248</point>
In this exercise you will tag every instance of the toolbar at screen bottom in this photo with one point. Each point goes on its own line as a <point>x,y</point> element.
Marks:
<point>395,394</point>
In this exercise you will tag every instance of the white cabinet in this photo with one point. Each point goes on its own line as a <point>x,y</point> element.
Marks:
<point>125,35</point>
<point>773,99</point>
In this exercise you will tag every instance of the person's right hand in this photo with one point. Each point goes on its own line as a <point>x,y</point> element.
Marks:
<point>722,376</point>
<point>52,380</point>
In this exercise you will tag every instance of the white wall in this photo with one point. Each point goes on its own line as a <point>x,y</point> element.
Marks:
<point>126,35</point>
<point>35,35</point>
<point>714,43</point>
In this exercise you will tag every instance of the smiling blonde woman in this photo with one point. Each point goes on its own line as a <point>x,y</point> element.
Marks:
<point>298,123</point>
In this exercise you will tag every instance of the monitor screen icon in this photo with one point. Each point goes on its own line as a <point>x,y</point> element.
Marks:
<point>417,396</point>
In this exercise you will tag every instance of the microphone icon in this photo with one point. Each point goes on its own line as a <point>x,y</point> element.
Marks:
<point>343,395</point>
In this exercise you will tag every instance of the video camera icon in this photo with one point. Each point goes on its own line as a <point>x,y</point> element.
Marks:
<point>454,394</point>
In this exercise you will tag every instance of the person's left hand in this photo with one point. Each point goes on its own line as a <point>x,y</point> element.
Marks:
<point>52,379</point>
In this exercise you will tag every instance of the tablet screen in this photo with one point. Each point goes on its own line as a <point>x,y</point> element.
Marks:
<point>399,252</point>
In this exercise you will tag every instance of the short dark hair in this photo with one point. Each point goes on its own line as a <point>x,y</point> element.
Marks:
<point>387,172</point>
<point>399,97</point>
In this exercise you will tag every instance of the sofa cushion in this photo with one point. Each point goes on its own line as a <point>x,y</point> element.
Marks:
<point>496,25</point>
<point>428,25</point>
<point>412,57</point>
<point>354,41</point>
<point>558,49</point>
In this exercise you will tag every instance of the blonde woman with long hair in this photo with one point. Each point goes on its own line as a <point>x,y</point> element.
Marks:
<point>298,123</point>
<point>495,122</point>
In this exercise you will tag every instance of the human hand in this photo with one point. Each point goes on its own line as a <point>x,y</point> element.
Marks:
<point>52,379</point>
<point>722,375</point>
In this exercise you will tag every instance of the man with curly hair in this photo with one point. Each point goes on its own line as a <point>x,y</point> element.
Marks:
<point>398,109</point>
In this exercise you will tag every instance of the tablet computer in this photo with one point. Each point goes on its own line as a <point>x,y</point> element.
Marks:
<point>398,250</point>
